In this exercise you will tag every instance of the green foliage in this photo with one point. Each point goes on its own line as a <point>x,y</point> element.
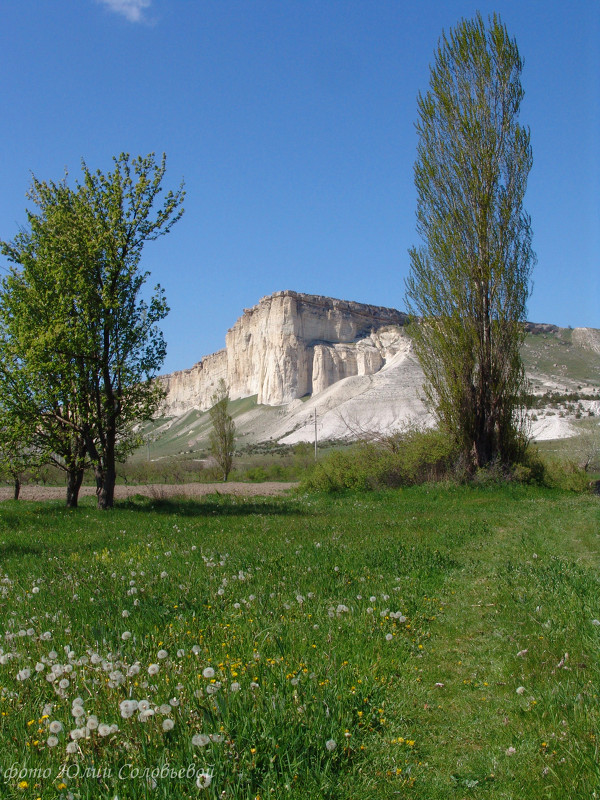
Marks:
<point>400,625</point>
<point>403,459</point>
<point>222,436</point>
<point>469,281</point>
<point>79,344</point>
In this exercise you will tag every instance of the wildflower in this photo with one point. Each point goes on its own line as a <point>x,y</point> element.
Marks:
<point>52,741</point>
<point>92,722</point>
<point>162,654</point>
<point>56,726</point>
<point>153,669</point>
<point>208,672</point>
<point>104,729</point>
<point>200,740</point>
<point>168,725</point>
<point>71,747</point>
<point>510,751</point>
<point>126,635</point>
<point>389,637</point>
<point>235,687</point>
<point>204,780</point>
<point>127,708</point>
<point>330,745</point>
<point>23,674</point>
<point>521,690</point>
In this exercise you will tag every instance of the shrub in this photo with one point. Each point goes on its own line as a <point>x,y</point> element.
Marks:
<point>402,459</point>
<point>565,474</point>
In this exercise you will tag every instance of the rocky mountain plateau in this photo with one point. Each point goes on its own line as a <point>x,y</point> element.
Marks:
<point>294,356</point>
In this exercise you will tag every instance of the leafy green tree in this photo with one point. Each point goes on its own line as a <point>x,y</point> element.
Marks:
<point>18,453</point>
<point>73,318</point>
<point>469,281</point>
<point>43,376</point>
<point>222,436</point>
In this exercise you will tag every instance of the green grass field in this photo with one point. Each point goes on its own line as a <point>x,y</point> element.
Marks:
<point>429,643</point>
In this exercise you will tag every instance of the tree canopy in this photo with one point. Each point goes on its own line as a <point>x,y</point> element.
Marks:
<point>80,344</point>
<point>470,279</point>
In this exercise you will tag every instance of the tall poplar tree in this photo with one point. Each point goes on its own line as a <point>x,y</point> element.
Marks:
<point>470,279</point>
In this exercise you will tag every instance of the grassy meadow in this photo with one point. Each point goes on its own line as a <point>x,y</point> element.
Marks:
<point>432,642</point>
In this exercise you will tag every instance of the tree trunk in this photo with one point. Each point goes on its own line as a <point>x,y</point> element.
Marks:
<point>106,476</point>
<point>17,489</point>
<point>74,481</point>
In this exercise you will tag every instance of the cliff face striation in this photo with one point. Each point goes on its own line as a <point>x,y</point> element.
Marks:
<point>288,346</point>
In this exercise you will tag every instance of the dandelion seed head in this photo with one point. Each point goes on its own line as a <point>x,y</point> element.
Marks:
<point>204,780</point>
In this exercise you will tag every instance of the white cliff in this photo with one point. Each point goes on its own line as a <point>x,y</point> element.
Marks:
<point>288,346</point>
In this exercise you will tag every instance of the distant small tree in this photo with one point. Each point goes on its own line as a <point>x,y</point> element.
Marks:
<point>18,453</point>
<point>587,447</point>
<point>222,436</point>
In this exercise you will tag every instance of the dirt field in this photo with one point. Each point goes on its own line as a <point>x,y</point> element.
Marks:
<point>159,491</point>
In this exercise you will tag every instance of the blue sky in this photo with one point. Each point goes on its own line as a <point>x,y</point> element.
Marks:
<point>292,123</point>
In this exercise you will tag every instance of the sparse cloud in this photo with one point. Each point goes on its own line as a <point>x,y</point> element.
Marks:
<point>133,10</point>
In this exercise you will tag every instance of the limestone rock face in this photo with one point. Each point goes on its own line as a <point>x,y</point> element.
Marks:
<point>288,346</point>
<point>588,338</point>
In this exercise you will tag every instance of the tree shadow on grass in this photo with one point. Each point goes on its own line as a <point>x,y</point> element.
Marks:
<point>219,505</point>
<point>12,549</point>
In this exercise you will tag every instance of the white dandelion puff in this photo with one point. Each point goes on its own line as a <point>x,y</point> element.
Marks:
<point>204,780</point>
